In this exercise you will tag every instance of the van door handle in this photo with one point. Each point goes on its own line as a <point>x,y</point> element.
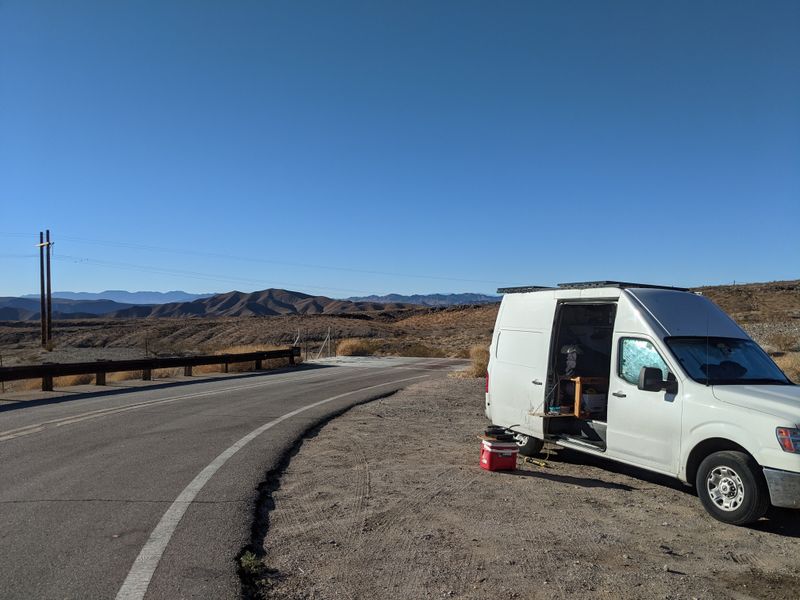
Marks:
<point>619,394</point>
<point>536,382</point>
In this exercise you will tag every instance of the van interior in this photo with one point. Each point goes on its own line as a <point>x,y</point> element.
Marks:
<point>576,396</point>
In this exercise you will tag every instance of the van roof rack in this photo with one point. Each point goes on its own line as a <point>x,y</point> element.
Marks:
<point>617,284</point>
<point>523,289</point>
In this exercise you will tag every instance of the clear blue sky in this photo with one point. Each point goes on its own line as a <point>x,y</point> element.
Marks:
<point>412,146</point>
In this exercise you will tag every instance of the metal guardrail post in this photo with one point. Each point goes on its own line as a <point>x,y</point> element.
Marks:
<point>47,383</point>
<point>187,371</point>
<point>100,378</point>
<point>147,375</point>
<point>257,365</point>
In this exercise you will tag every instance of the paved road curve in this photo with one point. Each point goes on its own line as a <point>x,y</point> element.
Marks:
<point>149,493</point>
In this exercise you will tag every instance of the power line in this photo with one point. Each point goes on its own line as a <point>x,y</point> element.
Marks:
<point>184,251</point>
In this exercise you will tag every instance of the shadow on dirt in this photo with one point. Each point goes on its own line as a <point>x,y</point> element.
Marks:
<point>779,521</point>
<point>570,480</point>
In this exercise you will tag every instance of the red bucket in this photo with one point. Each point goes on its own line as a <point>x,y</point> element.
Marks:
<point>499,456</point>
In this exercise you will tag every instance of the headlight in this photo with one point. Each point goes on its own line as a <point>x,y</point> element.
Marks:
<point>789,439</point>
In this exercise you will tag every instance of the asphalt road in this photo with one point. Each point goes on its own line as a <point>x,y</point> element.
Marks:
<point>149,493</point>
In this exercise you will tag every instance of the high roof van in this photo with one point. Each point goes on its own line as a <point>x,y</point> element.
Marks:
<point>651,376</point>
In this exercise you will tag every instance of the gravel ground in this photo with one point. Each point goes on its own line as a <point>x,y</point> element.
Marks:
<point>388,501</point>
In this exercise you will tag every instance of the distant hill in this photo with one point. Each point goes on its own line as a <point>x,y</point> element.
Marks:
<point>23,309</point>
<point>432,299</point>
<point>126,297</point>
<point>270,302</point>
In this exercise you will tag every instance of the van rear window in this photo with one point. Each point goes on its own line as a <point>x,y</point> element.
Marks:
<point>519,347</point>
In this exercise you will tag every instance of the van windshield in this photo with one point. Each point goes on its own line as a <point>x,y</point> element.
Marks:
<point>725,361</point>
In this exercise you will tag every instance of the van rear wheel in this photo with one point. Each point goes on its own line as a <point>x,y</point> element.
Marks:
<point>528,446</point>
<point>732,488</point>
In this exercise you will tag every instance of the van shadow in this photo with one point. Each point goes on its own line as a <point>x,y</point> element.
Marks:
<point>779,521</point>
<point>113,389</point>
<point>585,482</point>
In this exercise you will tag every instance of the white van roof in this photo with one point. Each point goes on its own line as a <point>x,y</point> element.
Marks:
<point>671,311</point>
<point>582,285</point>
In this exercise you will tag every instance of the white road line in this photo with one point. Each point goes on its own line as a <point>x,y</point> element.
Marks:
<point>138,580</point>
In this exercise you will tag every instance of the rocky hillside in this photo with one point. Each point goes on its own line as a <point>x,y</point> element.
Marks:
<point>266,303</point>
<point>758,302</point>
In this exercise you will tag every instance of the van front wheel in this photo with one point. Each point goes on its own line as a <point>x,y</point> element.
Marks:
<point>731,487</point>
<point>528,446</point>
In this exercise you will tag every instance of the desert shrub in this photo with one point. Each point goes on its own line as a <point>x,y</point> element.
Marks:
<point>68,380</point>
<point>479,354</point>
<point>790,364</point>
<point>356,347</point>
<point>419,350</point>
<point>783,341</point>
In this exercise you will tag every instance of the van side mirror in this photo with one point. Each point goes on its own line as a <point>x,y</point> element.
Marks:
<point>650,379</point>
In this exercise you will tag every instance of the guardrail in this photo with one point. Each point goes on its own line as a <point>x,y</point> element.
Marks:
<point>48,371</point>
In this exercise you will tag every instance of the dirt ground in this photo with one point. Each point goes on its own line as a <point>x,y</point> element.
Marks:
<point>388,501</point>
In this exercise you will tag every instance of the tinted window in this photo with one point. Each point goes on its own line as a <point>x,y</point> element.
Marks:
<point>635,354</point>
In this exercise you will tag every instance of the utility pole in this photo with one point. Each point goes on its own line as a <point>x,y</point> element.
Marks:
<point>45,290</point>
<point>42,311</point>
<point>49,295</point>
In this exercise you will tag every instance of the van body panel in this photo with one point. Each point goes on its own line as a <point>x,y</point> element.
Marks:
<point>782,401</point>
<point>643,427</point>
<point>706,418</point>
<point>518,358</point>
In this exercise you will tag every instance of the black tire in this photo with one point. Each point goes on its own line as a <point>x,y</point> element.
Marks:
<point>528,446</point>
<point>732,487</point>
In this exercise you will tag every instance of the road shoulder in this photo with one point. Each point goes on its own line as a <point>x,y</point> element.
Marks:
<point>388,501</point>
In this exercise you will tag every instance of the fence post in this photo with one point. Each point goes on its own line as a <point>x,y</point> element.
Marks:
<point>147,375</point>
<point>100,378</point>
<point>225,368</point>
<point>291,358</point>
<point>47,383</point>
<point>187,371</point>
<point>258,364</point>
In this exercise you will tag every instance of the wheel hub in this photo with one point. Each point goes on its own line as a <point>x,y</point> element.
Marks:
<point>725,488</point>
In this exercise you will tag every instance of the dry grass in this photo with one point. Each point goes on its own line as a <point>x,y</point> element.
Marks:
<point>357,347</point>
<point>784,342</point>
<point>790,364</point>
<point>479,354</point>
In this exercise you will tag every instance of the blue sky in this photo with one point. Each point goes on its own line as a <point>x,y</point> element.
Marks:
<point>415,146</point>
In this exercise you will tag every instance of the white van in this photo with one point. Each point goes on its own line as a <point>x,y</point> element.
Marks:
<point>651,376</point>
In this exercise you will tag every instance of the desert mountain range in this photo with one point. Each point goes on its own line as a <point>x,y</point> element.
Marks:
<point>270,302</point>
<point>777,300</point>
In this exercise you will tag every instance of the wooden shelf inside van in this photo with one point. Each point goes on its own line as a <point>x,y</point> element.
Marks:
<point>581,384</point>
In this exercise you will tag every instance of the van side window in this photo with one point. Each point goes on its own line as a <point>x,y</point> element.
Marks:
<point>635,354</point>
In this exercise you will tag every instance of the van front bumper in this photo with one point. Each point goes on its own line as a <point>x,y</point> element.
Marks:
<point>784,487</point>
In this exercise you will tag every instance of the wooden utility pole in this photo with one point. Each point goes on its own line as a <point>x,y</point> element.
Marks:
<point>45,290</point>
<point>49,294</point>
<point>42,305</point>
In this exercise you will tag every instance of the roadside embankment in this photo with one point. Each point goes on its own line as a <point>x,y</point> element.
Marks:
<point>388,501</point>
